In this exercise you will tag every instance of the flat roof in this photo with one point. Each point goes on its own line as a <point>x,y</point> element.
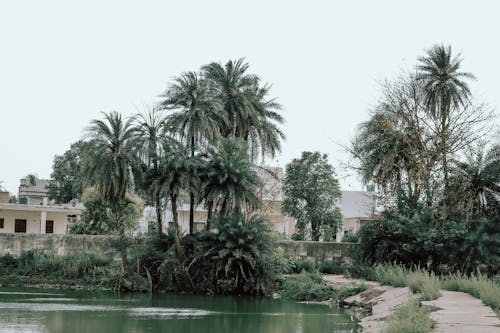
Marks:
<point>40,208</point>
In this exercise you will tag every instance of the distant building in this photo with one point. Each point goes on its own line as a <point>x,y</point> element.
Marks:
<point>32,190</point>
<point>270,194</point>
<point>33,214</point>
<point>358,208</point>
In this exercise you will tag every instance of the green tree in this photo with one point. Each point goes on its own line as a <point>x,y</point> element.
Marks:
<point>66,179</point>
<point>476,181</point>
<point>229,181</point>
<point>312,193</point>
<point>150,137</point>
<point>111,170</point>
<point>173,175</point>
<point>248,111</point>
<point>445,88</point>
<point>196,118</point>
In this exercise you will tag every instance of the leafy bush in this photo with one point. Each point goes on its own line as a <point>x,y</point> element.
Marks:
<point>418,238</point>
<point>410,318</point>
<point>297,266</point>
<point>330,267</point>
<point>88,270</point>
<point>307,287</point>
<point>351,238</point>
<point>237,256</point>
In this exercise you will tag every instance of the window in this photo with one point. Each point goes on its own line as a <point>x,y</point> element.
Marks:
<point>1,223</point>
<point>20,226</point>
<point>49,227</point>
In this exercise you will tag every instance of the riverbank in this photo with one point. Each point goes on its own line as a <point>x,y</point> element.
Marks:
<point>452,312</point>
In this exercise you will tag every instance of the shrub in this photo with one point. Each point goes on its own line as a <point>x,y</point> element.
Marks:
<point>300,265</point>
<point>330,267</point>
<point>351,238</point>
<point>410,318</point>
<point>427,284</point>
<point>307,287</point>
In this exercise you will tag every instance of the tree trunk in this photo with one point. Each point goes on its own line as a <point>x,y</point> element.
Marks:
<point>173,198</point>
<point>191,196</point>
<point>191,213</point>
<point>159,218</point>
<point>209,214</point>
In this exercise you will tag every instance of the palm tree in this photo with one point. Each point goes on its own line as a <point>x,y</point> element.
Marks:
<point>445,88</point>
<point>260,129</point>
<point>229,181</point>
<point>173,175</point>
<point>149,138</point>
<point>231,83</point>
<point>112,168</point>
<point>196,118</point>
<point>478,179</point>
<point>114,156</point>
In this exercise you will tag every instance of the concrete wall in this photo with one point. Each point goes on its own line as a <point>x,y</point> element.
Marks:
<point>61,245</point>
<point>15,244</point>
<point>318,251</point>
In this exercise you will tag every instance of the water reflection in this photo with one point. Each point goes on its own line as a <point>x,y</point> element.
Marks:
<point>77,312</point>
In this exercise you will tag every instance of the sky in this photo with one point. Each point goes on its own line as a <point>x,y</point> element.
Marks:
<point>62,63</point>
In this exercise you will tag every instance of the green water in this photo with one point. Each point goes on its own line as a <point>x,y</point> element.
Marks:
<point>56,311</point>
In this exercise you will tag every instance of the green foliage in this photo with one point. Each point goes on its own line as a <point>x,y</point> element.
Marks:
<point>297,266</point>
<point>307,287</point>
<point>330,267</point>
<point>88,271</point>
<point>238,257</point>
<point>99,219</point>
<point>351,238</point>
<point>410,318</point>
<point>66,179</point>
<point>418,238</point>
<point>311,194</point>
<point>229,182</point>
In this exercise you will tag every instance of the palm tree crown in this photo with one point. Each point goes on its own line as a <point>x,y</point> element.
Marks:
<point>114,155</point>
<point>444,84</point>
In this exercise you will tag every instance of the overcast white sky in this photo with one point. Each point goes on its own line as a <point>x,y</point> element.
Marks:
<point>63,62</point>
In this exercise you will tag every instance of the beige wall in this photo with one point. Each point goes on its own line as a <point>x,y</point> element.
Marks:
<point>32,221</point>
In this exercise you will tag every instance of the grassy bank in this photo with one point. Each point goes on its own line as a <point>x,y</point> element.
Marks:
<point>427,284</point>
<point>79,272</point>
<point>410,318</point>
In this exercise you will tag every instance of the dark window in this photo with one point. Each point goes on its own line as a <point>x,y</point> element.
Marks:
<point>49,227</point>
<point>20,226</point>
<point>1,223</point>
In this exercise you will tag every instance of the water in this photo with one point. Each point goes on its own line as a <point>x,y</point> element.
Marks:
<point>54,311</point>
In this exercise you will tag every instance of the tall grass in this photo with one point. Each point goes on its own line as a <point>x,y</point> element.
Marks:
<point>410,318</point>
<point>307,287</point>
<point>418,280</point>
<point>480,287</point>
<point>33,268</point>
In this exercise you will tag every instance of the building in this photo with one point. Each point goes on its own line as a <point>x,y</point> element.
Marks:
<point>32,190</point>
<point>358,208</point>
<point>270,194</point>
<point>36,219</point>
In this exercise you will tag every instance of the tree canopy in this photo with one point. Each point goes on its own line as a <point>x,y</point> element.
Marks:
<point>312,193</point>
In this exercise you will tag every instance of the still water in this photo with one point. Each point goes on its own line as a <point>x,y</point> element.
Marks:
<point>56,311</point>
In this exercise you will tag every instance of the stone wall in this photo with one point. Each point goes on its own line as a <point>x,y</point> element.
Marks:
<point>318,251</point>
<point>61,245</point>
